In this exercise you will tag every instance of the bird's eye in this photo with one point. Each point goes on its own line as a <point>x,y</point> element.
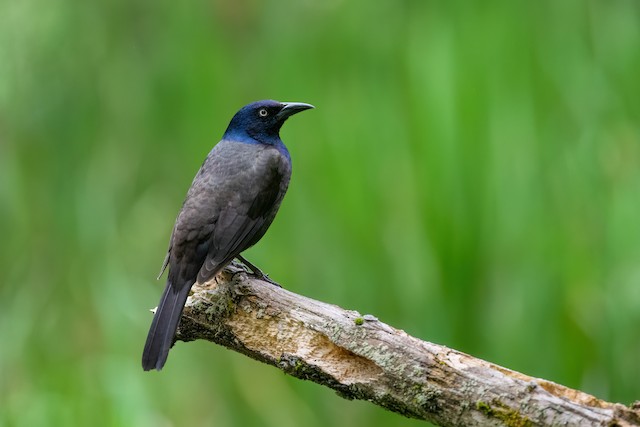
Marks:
<point>263,112</point>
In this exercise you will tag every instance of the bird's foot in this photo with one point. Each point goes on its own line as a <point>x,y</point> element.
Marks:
<point>256,272</point>
<point>261,276</point>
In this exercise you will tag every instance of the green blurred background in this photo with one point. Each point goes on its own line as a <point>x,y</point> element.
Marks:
<point>471,175</point>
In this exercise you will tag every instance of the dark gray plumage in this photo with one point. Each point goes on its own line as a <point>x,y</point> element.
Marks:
<point>232,201</point>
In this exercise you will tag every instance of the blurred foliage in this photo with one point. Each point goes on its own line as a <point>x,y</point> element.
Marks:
<point>471,174</point>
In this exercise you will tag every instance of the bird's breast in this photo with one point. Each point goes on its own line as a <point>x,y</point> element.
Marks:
<point>235,173</point>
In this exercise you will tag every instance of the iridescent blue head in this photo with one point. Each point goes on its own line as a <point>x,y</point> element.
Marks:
<point>260,122</point>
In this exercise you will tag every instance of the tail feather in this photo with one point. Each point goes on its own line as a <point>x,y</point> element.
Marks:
<point>164,326</point>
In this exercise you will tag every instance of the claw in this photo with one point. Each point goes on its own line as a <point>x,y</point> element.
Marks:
<point>256,272</point>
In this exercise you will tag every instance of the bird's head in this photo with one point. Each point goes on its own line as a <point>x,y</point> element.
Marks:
<point>262,120</point>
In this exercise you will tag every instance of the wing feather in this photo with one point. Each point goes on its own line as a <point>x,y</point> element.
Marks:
<point>228,212</point>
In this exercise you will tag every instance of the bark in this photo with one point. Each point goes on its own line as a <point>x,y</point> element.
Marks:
<point>363,358</point>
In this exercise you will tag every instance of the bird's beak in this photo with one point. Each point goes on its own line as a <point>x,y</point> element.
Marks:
<point>291,108</point>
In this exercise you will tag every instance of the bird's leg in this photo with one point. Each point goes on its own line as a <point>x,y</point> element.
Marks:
<point>257,272</point>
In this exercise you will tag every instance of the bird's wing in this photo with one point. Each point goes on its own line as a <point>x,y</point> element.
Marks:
<point>165,263</point>
<point>242,223</point>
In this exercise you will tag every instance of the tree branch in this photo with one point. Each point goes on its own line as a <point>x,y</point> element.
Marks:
<point>363,358</point>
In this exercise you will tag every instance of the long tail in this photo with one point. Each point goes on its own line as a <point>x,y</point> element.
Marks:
<point>164,326</point>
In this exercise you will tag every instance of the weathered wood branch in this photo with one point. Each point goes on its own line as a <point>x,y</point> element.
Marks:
<point>363,358</point>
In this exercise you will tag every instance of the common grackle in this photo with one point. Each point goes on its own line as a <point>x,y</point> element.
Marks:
<point>232,201</point>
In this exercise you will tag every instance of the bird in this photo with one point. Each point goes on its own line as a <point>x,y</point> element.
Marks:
<point>231,203</point>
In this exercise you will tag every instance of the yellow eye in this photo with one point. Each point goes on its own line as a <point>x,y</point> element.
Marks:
<point>263,112</point>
